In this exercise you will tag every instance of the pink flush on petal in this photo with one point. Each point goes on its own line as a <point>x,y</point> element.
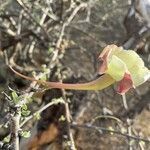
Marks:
<point>125,84</point>
<point>104,57</point>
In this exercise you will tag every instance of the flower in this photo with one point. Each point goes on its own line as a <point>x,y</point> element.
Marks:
<point>118,65</point>
<point>125,66</point>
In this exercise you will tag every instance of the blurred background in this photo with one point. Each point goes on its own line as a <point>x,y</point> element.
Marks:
<point>60,40</point>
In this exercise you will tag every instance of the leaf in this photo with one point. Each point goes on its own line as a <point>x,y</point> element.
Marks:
<point>25,134</point>
<point>15,97</point>
<point>24,110</point>
<point>62,118</point>
<point>50,50</point>
<point>37,116</point>
<point>24,107</point>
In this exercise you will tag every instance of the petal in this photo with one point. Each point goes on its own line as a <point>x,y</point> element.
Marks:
<point>140,75</point>
<point>135,65</point>
<point>116,68</point>
<point>129,57</point>
<point>125,84</point>
<point>105,56</point>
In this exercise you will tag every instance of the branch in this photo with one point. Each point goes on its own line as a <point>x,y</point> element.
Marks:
<point>54,102</point>
<point>25,8</point>
<point>100,129</point>
<point>65,24</point>
<point>14,123</point>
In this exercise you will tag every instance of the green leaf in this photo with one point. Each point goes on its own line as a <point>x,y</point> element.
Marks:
<point>6,139</point>
<point>15,97</point>
<point>50,50</point>
<point>37,116</point>
<point>62,118</point>
<point>25,134</point>
<point>24,107</point>
<point>25,111</point>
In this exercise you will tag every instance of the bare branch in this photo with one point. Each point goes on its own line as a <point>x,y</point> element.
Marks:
<point>100,129</point>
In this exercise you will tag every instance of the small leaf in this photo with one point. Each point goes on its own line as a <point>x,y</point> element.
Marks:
<point>6,139</point>
<point>50,50</point>
<point>15,97</point>
<point>25,134</point>
<point>43,78</point>
<point>25,111</point>
<point>24,107</point>
<point>62,118</point>
<point>37,116</point>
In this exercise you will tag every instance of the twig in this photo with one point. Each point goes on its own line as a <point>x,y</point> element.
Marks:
<point>129,133</point>
<point>105,117</point>
<point>72,145</point>
<point>17,46</point>
<point>125,102</point>
<point>98,42</point>
<point>50,14</point>
<point>144,32</point>
<point>29,14</point>
<point>40,110</point>
<point>7,30</point>
<point>31,48</point>
<point>65,24</point>
<point>15,129</point>
<point>90,4</point>
<point>99,129</point>
<point>68,120</point>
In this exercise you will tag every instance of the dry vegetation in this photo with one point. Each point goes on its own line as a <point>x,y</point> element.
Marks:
<point>59,40</point>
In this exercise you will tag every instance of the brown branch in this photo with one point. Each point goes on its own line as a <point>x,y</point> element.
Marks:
<point>100,129</point>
